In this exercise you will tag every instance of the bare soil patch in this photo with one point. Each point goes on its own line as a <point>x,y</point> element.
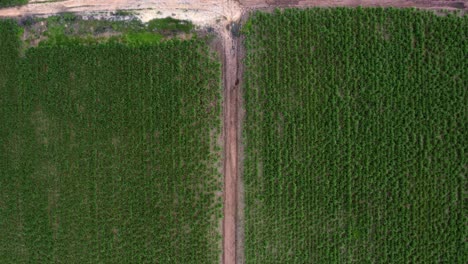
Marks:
<point>201,12</point>
<point>231,125</point>
<point>240,259</point>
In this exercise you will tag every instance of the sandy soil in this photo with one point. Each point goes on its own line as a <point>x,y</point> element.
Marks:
<point>201,12</point>
<point>240,149</point>
<point>231,125</point>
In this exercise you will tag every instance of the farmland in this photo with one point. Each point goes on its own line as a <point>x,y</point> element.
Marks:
<point>355,136</point>
<point>109,152</point>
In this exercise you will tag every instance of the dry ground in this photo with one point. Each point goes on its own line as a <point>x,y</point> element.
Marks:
<point>201,12</point>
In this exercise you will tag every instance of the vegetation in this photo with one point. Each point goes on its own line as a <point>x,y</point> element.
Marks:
<point>124,13</point>
<point>7,3</point>
<point>109,153</point>
<point>355,136</point>
<point>142,38</point>
<point>170,24</point>
<point>124,27</point>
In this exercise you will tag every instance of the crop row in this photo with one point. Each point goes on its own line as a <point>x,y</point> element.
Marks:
<point>355,136</point>
<point>109,154</point>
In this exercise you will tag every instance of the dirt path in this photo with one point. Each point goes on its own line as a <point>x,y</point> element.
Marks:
<point>201,12</point>
<point>110,5</point>
<point>218,14</point>
<point>231,79</point>
<point>230,147</point>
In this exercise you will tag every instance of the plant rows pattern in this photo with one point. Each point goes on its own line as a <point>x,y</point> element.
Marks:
<point>355,136</point>
<point>109,153</point>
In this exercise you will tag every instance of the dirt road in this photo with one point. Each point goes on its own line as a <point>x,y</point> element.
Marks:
<point>230,147</point>
<point>201,12</point>
<point>110,5</point>
<point>231,79</point>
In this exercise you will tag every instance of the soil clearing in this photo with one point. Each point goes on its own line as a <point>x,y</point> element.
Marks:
<point>218,14</point>
<point>230,147</point>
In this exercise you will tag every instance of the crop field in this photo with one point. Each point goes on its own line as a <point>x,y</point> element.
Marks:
<point>109,153</point>
<point>355,136</point>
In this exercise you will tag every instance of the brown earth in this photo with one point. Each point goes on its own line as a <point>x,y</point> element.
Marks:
<point>39,8</point>
<point>220,14</point>
<point>240,148</point>
<point>231,124</point>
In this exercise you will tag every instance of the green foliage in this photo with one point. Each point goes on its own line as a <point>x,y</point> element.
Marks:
<point>9,144</point>
<point>142,38</point>
<point>123,13</point>
<point>68,29</point>
<point>108,153</point>
<point>355,137</point>
<point>68,17</point>
<point>56,36</point>
<point>7,3</point>
<point>247,27</point>
<point>27,21</point>
<point>170,24</point>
